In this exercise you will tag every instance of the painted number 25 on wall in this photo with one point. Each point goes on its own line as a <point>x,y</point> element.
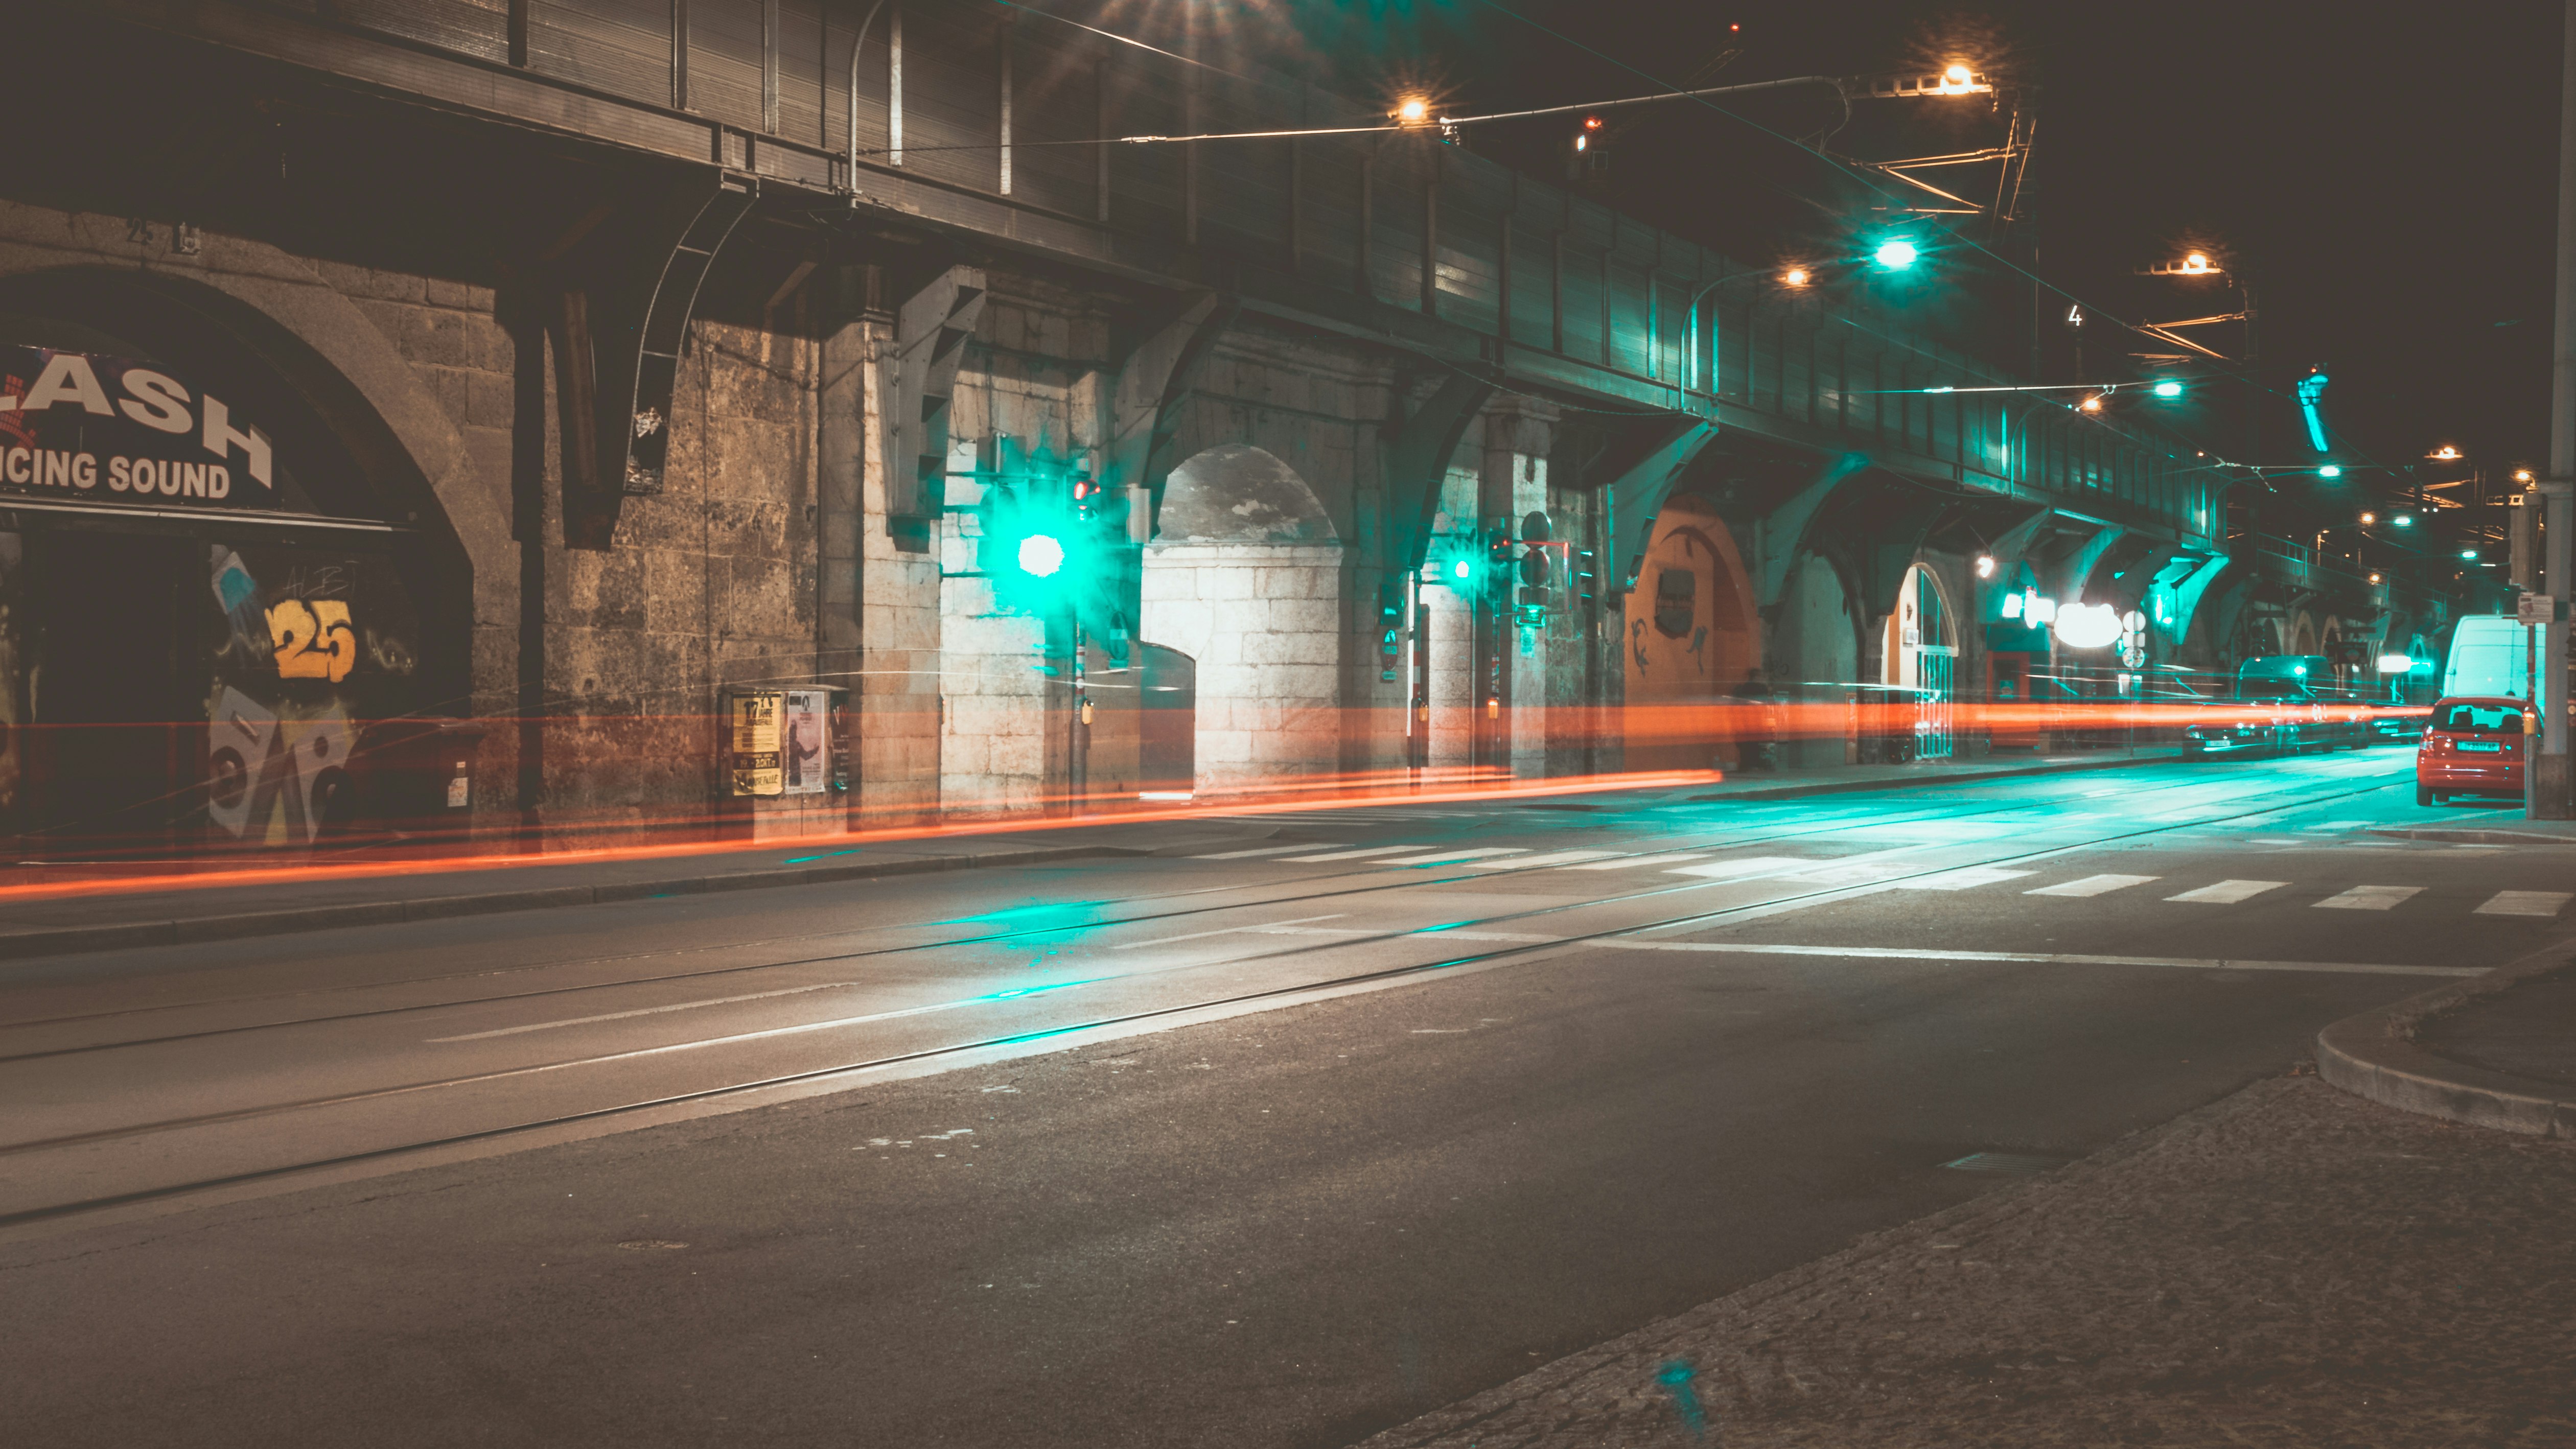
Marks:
<point>313,639</point>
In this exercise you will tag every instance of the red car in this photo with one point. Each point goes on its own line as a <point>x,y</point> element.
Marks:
<point>2473,745</point>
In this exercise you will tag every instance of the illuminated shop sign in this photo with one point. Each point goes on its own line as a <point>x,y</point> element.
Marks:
<point>87,428</point>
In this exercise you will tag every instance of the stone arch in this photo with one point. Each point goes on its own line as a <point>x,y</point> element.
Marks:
<point>2303,638</point>
<point>1900,661</point>
<point>1690,639</point>
<point>1245,575</point>
<point>1235,493</point>
<point>318,356</point>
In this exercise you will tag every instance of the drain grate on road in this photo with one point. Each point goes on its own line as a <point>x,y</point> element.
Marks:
<point>2006,1164</point>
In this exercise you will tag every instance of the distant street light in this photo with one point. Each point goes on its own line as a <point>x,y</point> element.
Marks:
<point>2368,519</point>
<point>2445,454</point>
<point>2092,404</point>
<point>1797,277</point>
<point>1413,110</point>
<point>2335,470</point>
<point>2168,388</point>
<point>1896,256</point>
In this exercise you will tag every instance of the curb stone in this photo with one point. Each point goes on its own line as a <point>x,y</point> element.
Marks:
<point>2374,1055</point>
<point>2466,836</point>
<point>66,940</point>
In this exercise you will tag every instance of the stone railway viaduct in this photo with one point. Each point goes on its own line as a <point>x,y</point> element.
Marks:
<point>638,348</point>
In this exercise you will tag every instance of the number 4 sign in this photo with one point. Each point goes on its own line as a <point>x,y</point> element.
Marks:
<point>313,639</point>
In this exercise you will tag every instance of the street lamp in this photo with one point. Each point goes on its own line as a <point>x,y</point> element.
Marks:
<point>1896,255</point>
<point>1792,277</point>
<point>2332,470</point>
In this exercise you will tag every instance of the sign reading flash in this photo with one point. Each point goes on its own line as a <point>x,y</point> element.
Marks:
<point>108,429</point>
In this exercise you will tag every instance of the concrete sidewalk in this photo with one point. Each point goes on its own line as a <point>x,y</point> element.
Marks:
<point>2289,1267</point>
<point>2495,1051</point>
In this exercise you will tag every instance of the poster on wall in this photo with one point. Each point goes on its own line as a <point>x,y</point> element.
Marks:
<point>751,739</point>
<point>89,428</point>
<point>805,742</point>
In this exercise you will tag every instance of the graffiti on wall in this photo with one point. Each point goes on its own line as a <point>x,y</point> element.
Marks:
<point>311,644</point>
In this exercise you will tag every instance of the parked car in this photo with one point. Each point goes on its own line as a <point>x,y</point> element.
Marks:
<point>2473,745</point>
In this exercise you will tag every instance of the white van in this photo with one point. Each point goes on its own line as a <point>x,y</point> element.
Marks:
<point>2487,659</point>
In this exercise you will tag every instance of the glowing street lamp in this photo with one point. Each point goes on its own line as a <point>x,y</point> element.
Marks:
<point>2444,454</point>
<point>2335,470</point>
<point>2092,404</point>
<point>2168,388</point>
<point>1794,277</point>
<point>1896,255</point>
<point>2368,519</point>
<point>2195,265</point>
<point>1412,111</point>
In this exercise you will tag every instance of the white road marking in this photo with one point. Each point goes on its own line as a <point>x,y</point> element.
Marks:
<point>1748,866</point>
<point>2524,903</point>
<point>1853,872</point>
<point>1963,879</point>
<point>1224,931</point>
<point>2229,892</point>
<point>2038,958</point>
<point>1627,862</point>
<point>1562,857</point>
<point>640,1011</point>
<point>2093,885</point>
<point>2369,898</point>
<point>1267,850</point>
<point>1351,854</point>
<point>1443,857</point>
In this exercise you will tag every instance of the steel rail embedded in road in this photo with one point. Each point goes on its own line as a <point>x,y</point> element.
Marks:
<point>1277,993</point>
<point>1496,868</point>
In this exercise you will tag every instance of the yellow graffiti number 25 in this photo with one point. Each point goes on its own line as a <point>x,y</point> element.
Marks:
<point>313,639</point>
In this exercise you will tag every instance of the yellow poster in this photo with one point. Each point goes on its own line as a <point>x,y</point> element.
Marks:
<point>751,743</point>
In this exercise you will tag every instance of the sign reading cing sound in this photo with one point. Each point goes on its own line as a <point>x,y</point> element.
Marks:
<point>108,430</point>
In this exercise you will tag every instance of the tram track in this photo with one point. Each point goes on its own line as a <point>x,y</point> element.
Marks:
<point>994,938</point>
<point>1344,982</point>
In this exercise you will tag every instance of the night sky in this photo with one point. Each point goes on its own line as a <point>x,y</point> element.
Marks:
<point>2384,174</point>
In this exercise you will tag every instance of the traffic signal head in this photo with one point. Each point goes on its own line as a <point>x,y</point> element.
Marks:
<point>1896,255</point>
<point>2168,388</point>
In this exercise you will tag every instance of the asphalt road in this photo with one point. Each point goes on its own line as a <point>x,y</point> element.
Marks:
<point>1251,1145</point>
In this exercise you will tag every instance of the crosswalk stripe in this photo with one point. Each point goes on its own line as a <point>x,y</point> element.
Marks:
<point>2229,892</point>
<point>1748,865</point>
<point>2093,885</point>
<point>1444,857</point>
<point>1631,862</point>
<point>2523,903</point>
<point>1562,857</point>
<point>1268,850</point>
<point>1349,854</point>
<point>2369,898</point>
<point>1963,879</point>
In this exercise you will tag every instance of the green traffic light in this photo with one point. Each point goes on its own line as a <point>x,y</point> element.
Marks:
<point>1896,256</point>
<point>1040,556</point>
<point>2168,389</point>
<point>2331,470</point>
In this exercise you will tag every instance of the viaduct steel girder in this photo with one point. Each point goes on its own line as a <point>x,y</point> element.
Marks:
<point>1450,257</point>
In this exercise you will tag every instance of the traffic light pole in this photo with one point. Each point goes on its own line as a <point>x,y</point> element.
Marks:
<point>2549,777</point>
